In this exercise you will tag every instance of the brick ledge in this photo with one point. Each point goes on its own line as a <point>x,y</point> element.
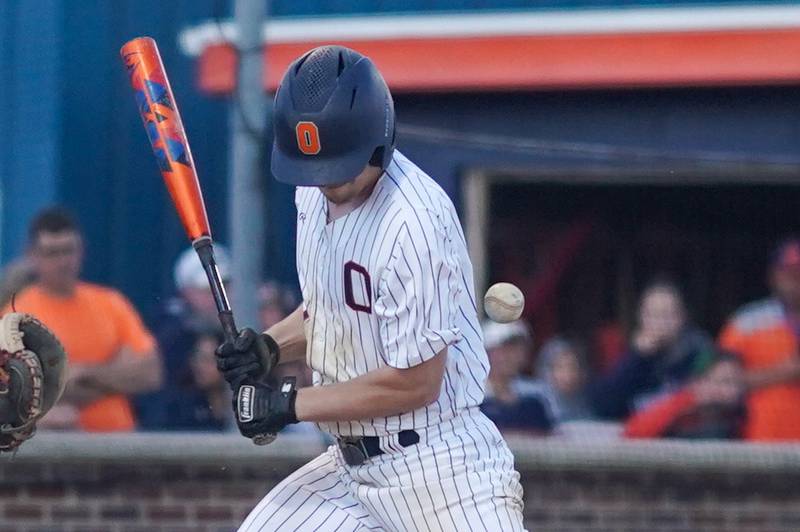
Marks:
<point>557,452</point>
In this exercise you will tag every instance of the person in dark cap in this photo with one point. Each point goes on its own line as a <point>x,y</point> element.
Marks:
<point>765,335</point>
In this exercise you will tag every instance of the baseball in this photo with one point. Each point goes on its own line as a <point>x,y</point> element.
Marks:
<point>503,302</point>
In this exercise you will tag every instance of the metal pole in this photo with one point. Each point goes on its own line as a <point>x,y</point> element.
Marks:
<point>248,119</point>
<point>475,191</point>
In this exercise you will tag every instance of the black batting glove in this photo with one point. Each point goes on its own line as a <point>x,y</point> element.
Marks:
<point>249,357</point>
<point>260,409</point>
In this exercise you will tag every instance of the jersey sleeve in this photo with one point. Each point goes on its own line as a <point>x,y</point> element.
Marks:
<point>418,294</point>
<point>129,326</point>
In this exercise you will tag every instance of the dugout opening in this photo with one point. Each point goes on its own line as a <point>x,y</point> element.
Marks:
<point>582,246</point>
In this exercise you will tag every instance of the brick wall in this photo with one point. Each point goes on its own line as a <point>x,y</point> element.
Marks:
<point>179,488</point>
<point>87,497</point>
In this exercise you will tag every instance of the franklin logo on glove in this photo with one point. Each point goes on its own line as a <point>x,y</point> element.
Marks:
<point>263,410</point>
<point>245,404</point>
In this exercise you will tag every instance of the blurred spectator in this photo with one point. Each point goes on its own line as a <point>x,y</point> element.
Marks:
<point>17,275</point>
<point>511,401</point>
<point>765,335</point>
<point>608,343</point>
<point>203,401</point>
<point>111,354</point>
<point>712,406</point>
<point>189,314</point>
<point>275,302</point>
<point>562,373</point>
<point>662,355</point>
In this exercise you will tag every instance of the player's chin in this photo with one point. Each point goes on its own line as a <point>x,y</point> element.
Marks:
<point>336,194</point>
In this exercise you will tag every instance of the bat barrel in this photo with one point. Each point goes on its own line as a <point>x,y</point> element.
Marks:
<point>162,121</point>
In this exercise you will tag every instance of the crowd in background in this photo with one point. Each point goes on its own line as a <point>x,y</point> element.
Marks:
<point>672,379</point>
<point>122,374</point>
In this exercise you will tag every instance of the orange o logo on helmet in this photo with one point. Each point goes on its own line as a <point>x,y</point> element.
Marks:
<point>308,138</point>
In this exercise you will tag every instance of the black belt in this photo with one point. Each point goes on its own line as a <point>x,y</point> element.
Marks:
<point>358,449</point>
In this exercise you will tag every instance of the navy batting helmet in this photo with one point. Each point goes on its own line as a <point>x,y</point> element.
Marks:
<point>333,115</point>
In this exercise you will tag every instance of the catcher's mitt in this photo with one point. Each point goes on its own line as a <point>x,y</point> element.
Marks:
<point>32,371</point>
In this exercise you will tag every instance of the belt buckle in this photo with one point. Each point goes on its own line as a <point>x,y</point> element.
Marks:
<point>353,450</point>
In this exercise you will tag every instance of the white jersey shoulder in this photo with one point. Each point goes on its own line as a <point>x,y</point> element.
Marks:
<point>390,284</point>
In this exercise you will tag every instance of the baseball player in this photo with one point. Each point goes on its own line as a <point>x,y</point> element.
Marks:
<point>388,325</point>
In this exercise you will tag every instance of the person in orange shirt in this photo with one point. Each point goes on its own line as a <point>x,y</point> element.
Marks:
<point>765,335</point>
<point>110,352</point>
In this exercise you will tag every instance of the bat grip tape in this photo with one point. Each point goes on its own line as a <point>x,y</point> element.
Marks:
<point>205,251</point>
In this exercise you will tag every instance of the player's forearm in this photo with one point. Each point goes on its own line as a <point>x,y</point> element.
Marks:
<point>384,392</point>
<point>290,335</point>
<point>128,373</point>
<point>356,399</point>
<point>79,393</point>
<point>656,420</point>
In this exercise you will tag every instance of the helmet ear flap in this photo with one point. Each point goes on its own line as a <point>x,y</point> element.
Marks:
<point>377,157</point>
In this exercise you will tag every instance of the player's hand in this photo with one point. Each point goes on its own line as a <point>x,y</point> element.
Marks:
<point>79,390</point>
<point>250,357</point>
<point>261,409</point>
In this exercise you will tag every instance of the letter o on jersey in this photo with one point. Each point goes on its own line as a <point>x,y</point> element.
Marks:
<point>360,297</point>
<point>308,138</point>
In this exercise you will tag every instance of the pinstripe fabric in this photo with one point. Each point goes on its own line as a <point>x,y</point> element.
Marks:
<point>311,498</point>
<point>390,284</point>
<point>460,477</point>
<point>407,239</point>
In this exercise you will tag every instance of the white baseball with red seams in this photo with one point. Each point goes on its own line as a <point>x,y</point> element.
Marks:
<point>503,302</point>
<point>390,284</point>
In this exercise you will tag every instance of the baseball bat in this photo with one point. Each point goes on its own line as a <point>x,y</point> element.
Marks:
<point>162,122</point>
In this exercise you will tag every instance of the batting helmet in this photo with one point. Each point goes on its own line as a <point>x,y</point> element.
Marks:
<point>333,115</point>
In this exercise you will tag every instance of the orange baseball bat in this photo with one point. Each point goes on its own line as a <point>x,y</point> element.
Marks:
<point>162,121</point>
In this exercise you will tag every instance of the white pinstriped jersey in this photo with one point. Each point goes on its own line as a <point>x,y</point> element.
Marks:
<point>390,284</point>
